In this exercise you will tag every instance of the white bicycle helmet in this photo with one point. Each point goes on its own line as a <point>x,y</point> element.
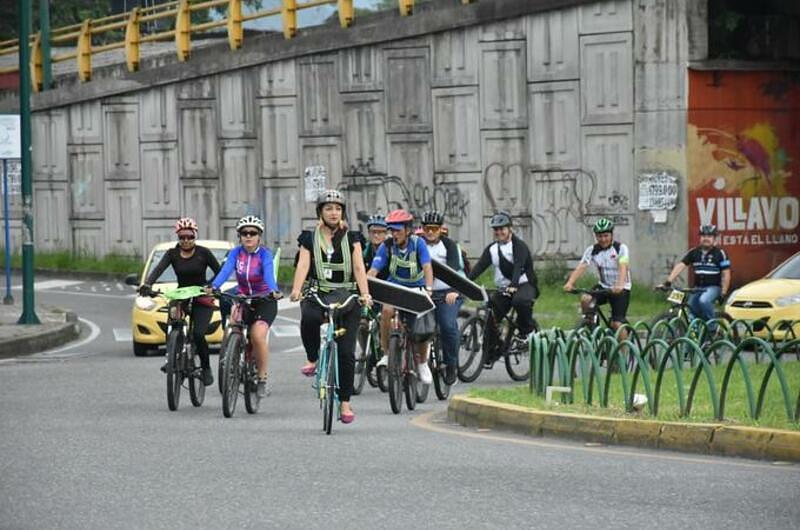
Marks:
<point>250,220</point>
<point>186,223</point>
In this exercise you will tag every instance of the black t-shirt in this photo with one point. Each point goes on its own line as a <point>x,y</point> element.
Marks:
<point>306,241</point>
<point>707,266</point>
<point>189,271</point>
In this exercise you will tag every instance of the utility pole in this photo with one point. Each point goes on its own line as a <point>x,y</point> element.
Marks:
<point>28,311</point>
<point>44,29</point>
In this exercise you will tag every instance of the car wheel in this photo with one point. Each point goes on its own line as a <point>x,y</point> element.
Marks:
<point>140,349</point>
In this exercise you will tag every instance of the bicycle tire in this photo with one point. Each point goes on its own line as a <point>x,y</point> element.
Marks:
<point>220,362</point>
<point>330,394</point>
<point>440,386</point>
<point>231,367</point>
<point>174,375</point>
<point>518,363</point>
<point>361,368</point>
<point>470,349</point>
<point>410,378</point>
<point>251,399</point>
<point>197,388</point>
<point>394,374</point>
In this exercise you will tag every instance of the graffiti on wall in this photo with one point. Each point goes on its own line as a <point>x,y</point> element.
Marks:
<point>744,166</point>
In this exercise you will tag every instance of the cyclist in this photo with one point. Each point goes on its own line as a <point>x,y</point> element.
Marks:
<point>189,261</point>
<point>406,257</point>
<point>447,300</point>
<point>612,260</point>
<point>332,257</point>
<point>255,276</point>
<point>377,231</point>
<point>712,272</point>
<point>513,274</point>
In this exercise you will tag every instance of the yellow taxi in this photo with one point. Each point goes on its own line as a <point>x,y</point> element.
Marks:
<point>149,316</point>
<point>771,303</point>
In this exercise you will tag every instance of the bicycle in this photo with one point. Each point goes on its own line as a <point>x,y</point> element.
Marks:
<point>484,341</point>
<point>438,369</point>
<point>370,353</point>
<point>402,367</point>
<point>326,381</point>
<point>238,361</point>
<point>677,321</point>
<point>182,363</point>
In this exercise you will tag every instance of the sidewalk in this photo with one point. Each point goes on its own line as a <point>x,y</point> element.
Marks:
<point>58,327</point>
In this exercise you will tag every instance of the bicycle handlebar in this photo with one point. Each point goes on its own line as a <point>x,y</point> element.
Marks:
<point>688,290</point>
<point>591,292</point>
<point>336,305</point>
<point>244,298</point>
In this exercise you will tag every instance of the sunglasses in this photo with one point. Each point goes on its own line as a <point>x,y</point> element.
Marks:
<point>186,238</point>
<point>248,233</point>
<point>432,228</point>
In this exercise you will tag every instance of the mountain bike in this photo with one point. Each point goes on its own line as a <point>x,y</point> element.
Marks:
<point>326,381</point>
<point>370,352</point>
<point>238,362</point>
<point>182,363</point>
<point>484,341</point>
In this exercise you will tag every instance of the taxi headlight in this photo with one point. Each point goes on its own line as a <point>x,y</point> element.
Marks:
<point>145,303</point>
<point>792,299</point>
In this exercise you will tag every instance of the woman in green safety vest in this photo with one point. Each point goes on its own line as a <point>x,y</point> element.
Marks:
<point>331,257</point>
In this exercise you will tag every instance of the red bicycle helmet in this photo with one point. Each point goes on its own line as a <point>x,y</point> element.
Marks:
<point>399,217</point>
<point>186,223</point>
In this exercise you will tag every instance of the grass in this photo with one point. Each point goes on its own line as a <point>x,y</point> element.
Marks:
<point>736,408</point>
<point>67,261</point>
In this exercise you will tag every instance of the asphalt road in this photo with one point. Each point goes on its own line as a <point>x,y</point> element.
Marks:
<point>87,441</point>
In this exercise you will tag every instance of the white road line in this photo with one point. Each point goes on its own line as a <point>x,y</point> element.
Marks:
<point>94,332</point>
<point>123,334</point>
<point>296,349</point>
<point>97,295</point>
<point>287,319</point>
<point>285,331</point>
<point>120,287</point>
<point>51,284</point>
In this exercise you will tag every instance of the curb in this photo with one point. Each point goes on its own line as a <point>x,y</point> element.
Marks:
<point>56,335</point>
<point>704,438</point>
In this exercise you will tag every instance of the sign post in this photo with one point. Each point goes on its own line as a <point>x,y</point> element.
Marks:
<point>9,148</point>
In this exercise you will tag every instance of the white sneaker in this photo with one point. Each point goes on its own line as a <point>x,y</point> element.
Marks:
<point>425,374</point>
<point>383,362</point>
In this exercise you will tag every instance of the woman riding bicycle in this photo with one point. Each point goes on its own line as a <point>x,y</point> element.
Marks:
<point>331,257</point>
<point>190,262</point>
<point>255,277</point>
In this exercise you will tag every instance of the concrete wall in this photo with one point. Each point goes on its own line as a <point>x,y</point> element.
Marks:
<point>551,110</point>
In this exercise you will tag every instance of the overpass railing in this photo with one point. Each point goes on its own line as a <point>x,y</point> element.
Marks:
<point>124,31</point>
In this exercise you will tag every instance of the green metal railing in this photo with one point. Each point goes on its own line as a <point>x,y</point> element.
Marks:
<point>560,358</point>
<point>178,16</point>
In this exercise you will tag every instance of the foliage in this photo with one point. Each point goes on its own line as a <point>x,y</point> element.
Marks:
<point>736,411</point>
<point>67,261</point>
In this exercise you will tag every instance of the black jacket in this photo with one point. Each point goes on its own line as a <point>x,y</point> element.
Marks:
<point>523,263</point>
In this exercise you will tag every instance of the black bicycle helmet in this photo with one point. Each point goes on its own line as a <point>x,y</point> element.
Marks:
<point>500,219</point>
<point>708,230</point>
<point>432,217</point>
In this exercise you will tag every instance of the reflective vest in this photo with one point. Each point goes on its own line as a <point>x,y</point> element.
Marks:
<point>326,269</point>
<point>415,272</point>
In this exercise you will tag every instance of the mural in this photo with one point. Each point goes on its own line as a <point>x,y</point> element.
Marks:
<point>744,165</point>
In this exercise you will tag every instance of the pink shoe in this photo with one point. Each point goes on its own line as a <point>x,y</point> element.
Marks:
<point>308,370</point>
<point>348,417</point>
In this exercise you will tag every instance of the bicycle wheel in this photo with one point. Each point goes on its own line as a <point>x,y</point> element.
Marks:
<point>518,358</point>
<point>410,377</point>
<point>361,367</point>
<point>221,362</point>
<point>330,394</point>
<point>230,376</point>
<point>174,374</point>
<point>197,389</point>
<point>470,351</point>
<point>437,367</point>
<point>251,399</point>
<point>395,374</point>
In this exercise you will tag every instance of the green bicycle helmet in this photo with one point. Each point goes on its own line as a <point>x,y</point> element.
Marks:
<point>603,225</point>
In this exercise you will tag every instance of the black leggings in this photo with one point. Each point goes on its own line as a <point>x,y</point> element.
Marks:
<point>521,301</point>
<point>312,317</point>
<point>201,317</point>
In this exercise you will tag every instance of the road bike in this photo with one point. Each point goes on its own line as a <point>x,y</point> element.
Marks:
<point>326,382</point>
<point>402,366</point>
<point>238,361</point>
<point>483,341</point>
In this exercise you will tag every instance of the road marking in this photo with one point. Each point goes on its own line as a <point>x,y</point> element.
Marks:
<point>285,303</point>
<point>96,295</point>
<point>287,319</point>
<point>423,421</point>
<point>123,334</point>
<point>51,284</point>
<point>285,331</point>
<point>94,332</point>
<point>296,349</point>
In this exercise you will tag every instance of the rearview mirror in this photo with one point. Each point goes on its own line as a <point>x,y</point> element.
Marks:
<point>132,279</point>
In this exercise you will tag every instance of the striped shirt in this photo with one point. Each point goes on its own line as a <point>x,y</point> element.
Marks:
<point>707,265</point>
<point>607,262</point>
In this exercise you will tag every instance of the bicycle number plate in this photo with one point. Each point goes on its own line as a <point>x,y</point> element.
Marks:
<point>676,297</point>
